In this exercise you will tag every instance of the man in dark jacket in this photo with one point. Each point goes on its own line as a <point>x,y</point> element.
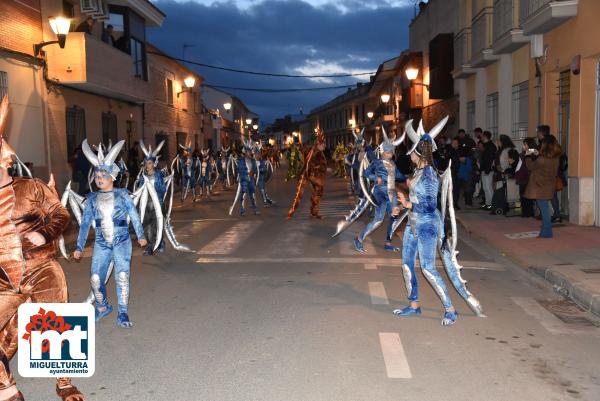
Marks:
<point>486,164</point>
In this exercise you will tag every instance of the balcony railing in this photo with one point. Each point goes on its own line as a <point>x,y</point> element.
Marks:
<point>482,31</point>
<point>462,48</point>
<point>540,16</point>
<point>504,17</point>
<point>530,7</point>
<point>89,64</point>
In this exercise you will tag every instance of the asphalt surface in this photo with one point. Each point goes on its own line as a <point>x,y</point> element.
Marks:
<point>274,309</point>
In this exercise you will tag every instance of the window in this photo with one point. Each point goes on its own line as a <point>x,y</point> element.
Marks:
<point>109,127</point>
<point>492,113</point>
<point>3,84</point>
<point>169,85</point>
<point>520,99</point>
<point>470,116</point>
<point>138,54</point>
<point>75,129</point>
<point>564,108</point>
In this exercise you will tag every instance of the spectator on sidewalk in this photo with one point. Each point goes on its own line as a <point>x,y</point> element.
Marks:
<point>466,142</point>
<point>465,179</point>
<point>561,182</point>
<point>541,132</point>
<point>486,166</point>
<point>542,179</point>
<point>505,145</point>
<point>522,178</point>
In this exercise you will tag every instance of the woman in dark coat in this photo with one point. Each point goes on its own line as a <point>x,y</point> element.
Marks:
<point>522,178</point>
<point>542,179</point>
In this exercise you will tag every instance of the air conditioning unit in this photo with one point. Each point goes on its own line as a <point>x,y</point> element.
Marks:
<point>102,14</point>
<point>89,6</point>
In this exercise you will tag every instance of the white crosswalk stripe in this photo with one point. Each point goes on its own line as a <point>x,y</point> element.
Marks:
<point>378,294</point>
<point>231,239</point>
<point>394,356</point>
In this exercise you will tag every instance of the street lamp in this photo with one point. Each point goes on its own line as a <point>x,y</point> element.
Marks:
<point>370,114</point>
<point>255,127</point>
<point>188,84</point>
<point>227,106</point>
<point>385,98</point>
<point>295,134</point>
<point>351,122</point>
<point>248,121</point>
<point>60,26</point>
<point>412,73</point>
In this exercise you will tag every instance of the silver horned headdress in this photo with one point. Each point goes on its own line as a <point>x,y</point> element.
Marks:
<point>103,162</point>
<point>421,135</point>
<point>150,154</point>
<point>388,145</point>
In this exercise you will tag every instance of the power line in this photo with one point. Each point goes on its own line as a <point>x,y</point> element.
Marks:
<point>268,74</point>
<point>273,90</point>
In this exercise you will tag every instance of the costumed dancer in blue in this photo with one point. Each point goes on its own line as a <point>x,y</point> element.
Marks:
<point>247,171</point>
<point>265,172</point>
<point>205,172</point>
<point>187,166</point>
<point>424,233</point>
<point>156,177</point>
<point>222,157</point>
<point>362,149</point>
<point>384,173</point>
<point>110,208</point>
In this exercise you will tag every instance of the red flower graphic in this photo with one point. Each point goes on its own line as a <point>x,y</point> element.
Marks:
<point>45,321</point>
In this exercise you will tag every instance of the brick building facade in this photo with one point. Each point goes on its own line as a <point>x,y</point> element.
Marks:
<point>173,112</point>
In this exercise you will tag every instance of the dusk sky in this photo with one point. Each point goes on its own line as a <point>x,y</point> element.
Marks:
<point>290,37</point>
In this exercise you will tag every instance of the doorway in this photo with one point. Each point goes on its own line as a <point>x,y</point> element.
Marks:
<point>563,132</point>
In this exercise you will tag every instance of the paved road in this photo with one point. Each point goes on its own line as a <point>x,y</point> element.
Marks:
<point>273,309</point>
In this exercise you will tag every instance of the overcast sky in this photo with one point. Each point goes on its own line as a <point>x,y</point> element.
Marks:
<point>290,37</point>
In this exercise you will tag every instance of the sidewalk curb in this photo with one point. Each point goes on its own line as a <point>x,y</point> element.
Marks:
<point>574,290</point>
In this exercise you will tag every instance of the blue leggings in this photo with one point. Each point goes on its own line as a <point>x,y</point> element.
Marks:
<point>103,254</point>
<point>425,243</point>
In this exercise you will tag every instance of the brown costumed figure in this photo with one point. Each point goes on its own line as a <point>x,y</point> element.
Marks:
<point>315,169</point>
<point>31,221</point>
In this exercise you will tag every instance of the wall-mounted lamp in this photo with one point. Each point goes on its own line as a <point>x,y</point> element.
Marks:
<point>412,73</point>
<point>227,106</point>
<point>188,85</point>
<point>370,114</point>
<point>60,26</point>
<point>385,98</point>
<point>248,121</point>
<point>255,127</point>
<point>351,122</point>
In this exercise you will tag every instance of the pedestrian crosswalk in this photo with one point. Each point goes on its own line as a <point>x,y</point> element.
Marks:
<point>231,239</point>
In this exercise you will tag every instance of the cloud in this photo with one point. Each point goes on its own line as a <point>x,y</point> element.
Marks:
<point>283,36</point>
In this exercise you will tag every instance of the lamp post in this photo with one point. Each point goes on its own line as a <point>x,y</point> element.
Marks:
<point>60,26</point>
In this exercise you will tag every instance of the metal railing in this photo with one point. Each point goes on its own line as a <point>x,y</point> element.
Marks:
<point>530,7</point>
<point>504,17</point>
<point>482,31</point>
<point>462,48</point>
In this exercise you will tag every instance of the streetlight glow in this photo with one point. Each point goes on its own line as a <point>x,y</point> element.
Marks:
<point>255,127</point>
<point>351,122</point>
<point>59,25</point>
<point>385,98</point>
<point>370,114</point>
<point>412,73</point>
<point>189,82</point>
<point>295,134</point>
<point>248,121</point>
<point>227,106</point>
